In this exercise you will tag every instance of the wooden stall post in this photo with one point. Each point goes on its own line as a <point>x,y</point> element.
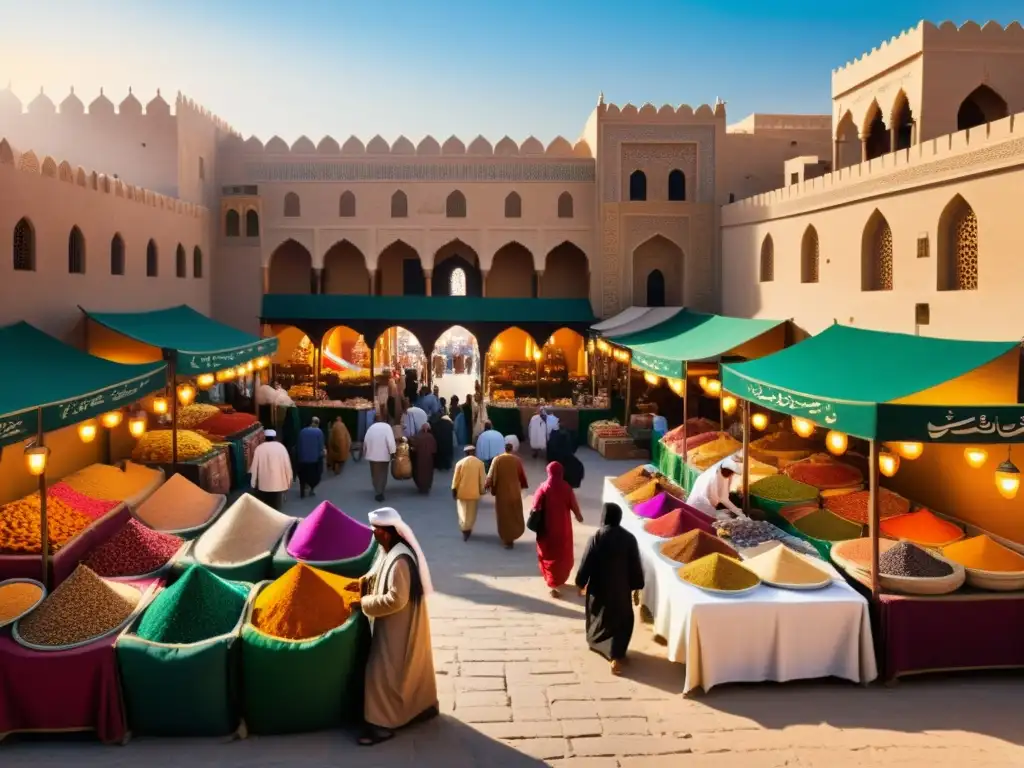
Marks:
<point>591,361</point>
<point>373,381</point>
<point>44,528</point>
<point>629,384</point>
<point>317,354</point>
<point>746,458</point>
<point>873,513</point>
<point>172,377</point>
<point>686,436</point>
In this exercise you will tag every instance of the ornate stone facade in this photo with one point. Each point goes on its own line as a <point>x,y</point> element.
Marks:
<point>614,135</point>
<point>376,170</point>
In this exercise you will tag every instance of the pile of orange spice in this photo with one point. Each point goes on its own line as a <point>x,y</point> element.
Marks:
<point>305,602</point>
<point>983,554</point>
<point>922,527</point>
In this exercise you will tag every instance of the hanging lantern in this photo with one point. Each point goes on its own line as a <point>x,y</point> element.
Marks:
<point>87,431</point>
<point>975,457</point>
<point>111,419</point>
<point>590,346</point>
<point>159,405</point>
<point>703,382</point>
<point>803,427</point>
<point>1007,480</point>
<point>910,451</point>
<point>651,379</point>
<point>205,380</point>
<point>262,362</point>
<point>227,374</point>
<point>35,459</point>
<point>729,404</point>
<point>759,421</point>
<point>240,371</point>
<point>888,463</point>
<point>250,367</point>
<point>537,355</point>
<point>137,425</point>
<point>676,385</point>
<point>186,393</point>
<point>836,442</point>
<point>714,388</point>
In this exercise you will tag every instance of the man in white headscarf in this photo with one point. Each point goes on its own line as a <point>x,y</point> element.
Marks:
<point>400,684</point>
<point>710,492</point>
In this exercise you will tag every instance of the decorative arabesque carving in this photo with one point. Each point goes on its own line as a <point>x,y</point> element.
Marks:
<point>613,136</point>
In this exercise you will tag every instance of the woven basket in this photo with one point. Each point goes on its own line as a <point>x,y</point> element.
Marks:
<point>910,585</point>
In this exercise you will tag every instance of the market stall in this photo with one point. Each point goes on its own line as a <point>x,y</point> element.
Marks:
<point>930,411</point>
<point>200,353</point>
<point>683,349</point>
<point>62,392</point>
<point>762,634</point>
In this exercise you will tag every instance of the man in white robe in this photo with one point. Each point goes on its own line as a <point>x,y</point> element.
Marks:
<point>400,684</point>
<point>538,432</point>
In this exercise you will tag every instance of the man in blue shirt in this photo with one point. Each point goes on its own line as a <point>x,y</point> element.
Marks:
<point>429,402</point>
<point>310,452</point>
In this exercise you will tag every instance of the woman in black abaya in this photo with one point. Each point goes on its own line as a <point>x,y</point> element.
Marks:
<point>610,572</point>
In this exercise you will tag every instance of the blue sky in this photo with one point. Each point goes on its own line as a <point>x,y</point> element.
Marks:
<point>416,67</point>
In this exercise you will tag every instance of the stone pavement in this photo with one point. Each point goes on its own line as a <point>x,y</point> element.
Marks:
<point>518,686</point>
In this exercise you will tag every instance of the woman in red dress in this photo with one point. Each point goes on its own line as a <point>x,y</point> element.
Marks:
<point>554,544</point>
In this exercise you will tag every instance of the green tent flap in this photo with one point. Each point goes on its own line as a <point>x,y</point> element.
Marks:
<point>838,378</point>
<point>690,336</point>
<point>288,308</point>
<point>194,341</point>
<point>69,385</point>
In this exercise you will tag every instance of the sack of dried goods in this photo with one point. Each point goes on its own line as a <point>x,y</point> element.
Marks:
<point>239,546</point>
<point>155,447</point>
<point>83,608</point>
<point>854,506</point>
<point>135,550</point>
<point>92,508</point>
<point>401,465</point>
<point>330,540</point>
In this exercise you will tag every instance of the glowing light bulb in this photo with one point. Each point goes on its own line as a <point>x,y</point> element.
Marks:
<point>759,421</point>
<point>713,388</point>
<point>1007,480</point>
<point>159,405</point>
<point>205,380</point>
<point>729,404</point>
<point>537,355</point>
<point>87,431</point>
<point>910,451</point>
<point>703,382</point>
<point>676,385</point>
<point>888,463</point>
<point>250,367</point>
<point>137,425</point>
<point>111,419</point>
<point>35,459</point>
<point>186,393</point>
<point>836,442</point>
<point>240,370</point>
<point>803,427</point>
<point>976,457</point>
<point>651,379</point>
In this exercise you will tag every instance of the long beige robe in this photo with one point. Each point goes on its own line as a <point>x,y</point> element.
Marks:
<point>400,682</point>
<point>507,480</point>
<point>339,445</point>
<point>468,484</point>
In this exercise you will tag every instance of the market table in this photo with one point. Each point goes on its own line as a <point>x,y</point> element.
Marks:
<point>770,634</point>
<point>73,690</point>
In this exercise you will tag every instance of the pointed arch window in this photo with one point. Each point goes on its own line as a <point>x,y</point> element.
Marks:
<point>958,247</point>
<point>677,186</point>
<point>76,252</point>
<point>876,254</point>
<point>638,185</point>
<point>232,224</point>
<point>982,105</point>
<point>117,255</point>
<point>180,267</point>
<point>809,256</point>
<point>197,262</point>
<point>152,260</point>
<point>455,205</point>
<point>457,282</point>
<point>24,246</point>
<point>767,259</point>
<point>399,205</point>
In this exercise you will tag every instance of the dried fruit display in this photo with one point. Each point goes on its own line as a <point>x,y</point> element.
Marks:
<point>155,447</point>
<point>191,416</point>
<point>20,530</point>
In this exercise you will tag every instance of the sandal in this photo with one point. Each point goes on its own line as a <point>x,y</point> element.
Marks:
<point>374,736</point>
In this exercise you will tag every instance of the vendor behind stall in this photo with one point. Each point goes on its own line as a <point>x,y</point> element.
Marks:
<point>710,493</point>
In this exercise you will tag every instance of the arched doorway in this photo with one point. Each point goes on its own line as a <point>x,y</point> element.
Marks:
<point>655,289</point>
<point>566,273</point>
<point>903,120</point>
<point>293,364</point>
<point>512,274</point>
<point>291,269</point>
<point>982,105</point>
<point>662,255</point>
<point>455,363</point>
<point>399,271</point>
<point>345,271</point>
<point>453,256</point>
<point>563,366</point>
<point>398,357</point>
<point>512,365</point>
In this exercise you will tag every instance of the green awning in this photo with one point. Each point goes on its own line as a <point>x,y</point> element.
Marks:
<point>195,342</point>
<point>840,378</point>
<point>69,385</point>
<point>690,337</point>
<point>456,310</point>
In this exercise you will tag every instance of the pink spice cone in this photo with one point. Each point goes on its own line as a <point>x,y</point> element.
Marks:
<point>328,534</point>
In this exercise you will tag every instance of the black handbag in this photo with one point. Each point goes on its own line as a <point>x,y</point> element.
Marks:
<point>535,520</point>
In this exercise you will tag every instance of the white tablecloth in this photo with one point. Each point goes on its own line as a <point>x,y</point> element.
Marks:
<point>769,634</point>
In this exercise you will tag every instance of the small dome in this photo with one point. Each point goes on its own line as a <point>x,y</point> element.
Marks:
<point>72,105</point>
<point>428,146</point>
<point>378,146</point>
<point>101,105</point>
<point>352,146</point>
<point>453,146</point>
<point>328,146</point>
<point>506,147</point>
<point>130,105</point>
<point>9,103</point>
<point>303,145</point>
<point>402,146</point>
<point>276,144</point>
<point>41,105</point>
<point>531,146</point>
<point>158,106</point>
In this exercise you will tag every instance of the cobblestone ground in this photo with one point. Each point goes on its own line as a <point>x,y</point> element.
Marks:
<point>518,686</point>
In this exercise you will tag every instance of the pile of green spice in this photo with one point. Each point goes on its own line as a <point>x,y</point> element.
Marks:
<point>906,559</point>
<point>825,526</point>
<point>198,606</point>
<point>783,488</point>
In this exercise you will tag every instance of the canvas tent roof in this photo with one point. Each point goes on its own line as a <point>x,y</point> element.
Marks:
<point>70,386</point>
<point>847,379</point>
<point>627,315</point>
<point>197,343</point>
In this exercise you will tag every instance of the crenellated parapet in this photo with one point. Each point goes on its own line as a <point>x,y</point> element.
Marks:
<point>956,153</point>
<point>101,183</point>
<point>428,146</point>
<point>666,113</point>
